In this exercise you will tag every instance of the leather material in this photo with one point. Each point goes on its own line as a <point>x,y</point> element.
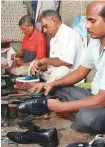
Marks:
<point>34,106</point>
<point>28,125</point>
<point>43,137</point>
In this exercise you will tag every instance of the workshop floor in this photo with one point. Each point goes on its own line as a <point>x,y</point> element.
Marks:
<point>65,134</point>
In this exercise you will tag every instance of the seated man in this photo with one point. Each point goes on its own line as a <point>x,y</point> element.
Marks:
<point>66,48</point>
<point>33,44</point>
<point>72,99</point>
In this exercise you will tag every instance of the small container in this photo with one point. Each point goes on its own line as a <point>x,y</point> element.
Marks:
<point>5,44</point>
<point>12,111</point>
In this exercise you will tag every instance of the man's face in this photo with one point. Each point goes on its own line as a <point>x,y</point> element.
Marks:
<point>27,30</point>
<point>49,26</point>
<point>95,24</point>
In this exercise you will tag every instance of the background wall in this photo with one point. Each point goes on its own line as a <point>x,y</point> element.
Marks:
<point>69,9</point>
<point>11,12</point>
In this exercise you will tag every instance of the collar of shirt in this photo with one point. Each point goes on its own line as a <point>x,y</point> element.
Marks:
<point>33,35</point>
<point>99,43</point>
<point>102,50</point>
<point>54,39</point>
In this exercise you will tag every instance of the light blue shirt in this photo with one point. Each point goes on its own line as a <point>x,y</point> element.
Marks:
<point>92,59</point>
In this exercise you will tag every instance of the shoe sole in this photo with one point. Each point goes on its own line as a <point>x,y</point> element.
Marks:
<point>42,144</point>
<point>48,144</point>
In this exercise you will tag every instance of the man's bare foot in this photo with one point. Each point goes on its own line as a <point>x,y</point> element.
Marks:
<point>66,115</point>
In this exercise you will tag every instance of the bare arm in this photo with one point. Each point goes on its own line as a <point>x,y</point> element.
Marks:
<point>55,62</point>
<point>72,78</point>
<point>97,101</point>
<point>41,65</point>
<point>77,75</point>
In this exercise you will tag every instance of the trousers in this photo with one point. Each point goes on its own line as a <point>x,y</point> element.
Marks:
<point>91,120</point>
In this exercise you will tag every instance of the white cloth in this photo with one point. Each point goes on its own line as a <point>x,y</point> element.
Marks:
<point>92,59</point>
<point>58,73</point>
<point>67,46</point>
<point>9,53</point>
<point>44,5</point>
<point>22,70</point>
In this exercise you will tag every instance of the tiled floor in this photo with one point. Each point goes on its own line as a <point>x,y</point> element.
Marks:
<point>65,134</point>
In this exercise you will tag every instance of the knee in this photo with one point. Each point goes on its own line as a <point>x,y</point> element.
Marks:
<point>90,120</point>
<point>85,117</point>
<point>84,121</point>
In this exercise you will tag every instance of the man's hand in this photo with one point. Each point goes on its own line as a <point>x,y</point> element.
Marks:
<point>37,88</point>
<point>48,87</point>
<point>38,65</point>
<point>55,105</point>
<point>35,67</point>
<point>19,61</point>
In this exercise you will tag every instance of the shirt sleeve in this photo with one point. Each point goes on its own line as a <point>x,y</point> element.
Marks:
<point>41,47</point>
<point>87,58</point>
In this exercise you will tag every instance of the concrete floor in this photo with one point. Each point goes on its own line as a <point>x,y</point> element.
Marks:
<point>65,134</point>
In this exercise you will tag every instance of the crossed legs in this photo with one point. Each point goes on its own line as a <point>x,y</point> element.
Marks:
<point>90,120</point>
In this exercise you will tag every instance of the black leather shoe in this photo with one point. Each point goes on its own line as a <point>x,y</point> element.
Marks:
<point>28,125</point>
<point>37,106</point>
<point>43,137</point>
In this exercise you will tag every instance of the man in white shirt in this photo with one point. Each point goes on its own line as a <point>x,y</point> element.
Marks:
<point>66,48</point>
<point>90,105</point>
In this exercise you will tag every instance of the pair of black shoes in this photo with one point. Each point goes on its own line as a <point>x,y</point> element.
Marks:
<point>37,106</point>
<point>43,137</point>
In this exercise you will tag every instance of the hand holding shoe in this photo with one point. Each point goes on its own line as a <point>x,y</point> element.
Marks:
<point>55,105</point>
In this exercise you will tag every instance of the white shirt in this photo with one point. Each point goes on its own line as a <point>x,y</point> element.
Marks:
<point>92,59</point>
<point>66,45</point>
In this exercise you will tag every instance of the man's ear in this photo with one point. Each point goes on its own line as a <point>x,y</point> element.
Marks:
<point>55,20</point>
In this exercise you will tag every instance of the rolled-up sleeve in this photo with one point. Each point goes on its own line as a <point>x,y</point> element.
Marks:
<point>87,59</point>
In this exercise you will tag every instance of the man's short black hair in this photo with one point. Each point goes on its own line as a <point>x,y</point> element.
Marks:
<point>102,13</point>
<point>50,13</point>
<point>26,20</point>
